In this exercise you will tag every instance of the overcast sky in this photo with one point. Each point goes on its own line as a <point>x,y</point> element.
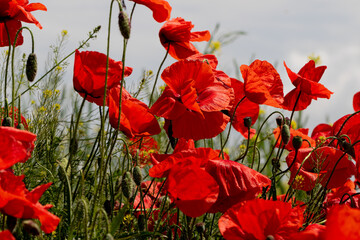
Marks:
<point>276,31</point>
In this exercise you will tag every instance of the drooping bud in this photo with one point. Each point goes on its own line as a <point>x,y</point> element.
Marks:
<point>247,122</point>
<point>124,24</point>
<point>7,122</point>
<point>127,185</point>
<point>31,67</point>
<point>347,147</point>
<point>137,176</point>
<point>279,120</point>
<point>297,142</point>
<point>285,133</point>
<point>31,227</point>
<point>287,121</point>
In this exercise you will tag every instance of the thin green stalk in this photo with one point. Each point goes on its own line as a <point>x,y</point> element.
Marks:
<point>231,120</point>
<point>157,75</point>
<point>7,61</point>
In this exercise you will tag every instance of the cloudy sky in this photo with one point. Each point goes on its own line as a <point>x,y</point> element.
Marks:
<point>276,31</point>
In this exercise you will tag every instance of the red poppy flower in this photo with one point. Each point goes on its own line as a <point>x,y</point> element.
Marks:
<point>302,132</point>
<point>336,195</point>
<point>89,75</point>
<point>17,201</point>
<point>193,189</point>
<point>356,101</point>
<point>343,223</point>
<point>193,101</point>
<point>161,9</point>
<point>321,132</point>
<point>15,146</point>
<point>146,147</point>
<point>176,32</point>
<point>306,81</point>
<point>317,168</point>
<point>12,13</point>
<point>183,150</point>
<point>246,108</point>
<point>135,119</point>
<point>6,235</point>
<point>258,219</point>
<point>236,183</point>
<point>262,84</point>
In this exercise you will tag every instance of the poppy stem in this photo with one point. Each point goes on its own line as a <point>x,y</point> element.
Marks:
<point>293,111</point>
<point>231,119</point>
<point>13,72</point>
<point>157,75</point>
<point>7,62</point>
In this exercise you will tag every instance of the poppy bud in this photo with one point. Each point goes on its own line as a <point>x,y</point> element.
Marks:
<point>270,237</point>
<point>287,121</point>
<point>127,185</point>
<point>31,67</point>
<point>31,227</point>
<point>285,133</point>
<point>279,121</point>
<point>200,227</point>
<point>247,122</point>
<point>124,24</point>
<point>275,163</point>
<point>7,122</point>
<point>297,142</point>
<point>20,126</point>
<point>141,222</point>
<point>137,176</point>
<point>346,147</point>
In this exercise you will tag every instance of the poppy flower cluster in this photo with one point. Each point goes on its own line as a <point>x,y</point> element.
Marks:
<point>12,13</point>
<point>15,199</point>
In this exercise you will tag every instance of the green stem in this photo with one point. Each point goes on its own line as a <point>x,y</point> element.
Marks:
<point>7,61</point>
<point>157,74</point>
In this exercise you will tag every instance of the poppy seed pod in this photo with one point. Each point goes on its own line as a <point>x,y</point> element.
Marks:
<point>200,227</point>
<point>124,24</point>
<point>285,133</point>
<point>7,122</point>
<point>297,142</point>
<point>247,122</point>
<point>31,67</point>
<point>127,185</point>
<point>279,120</point>
<point>270,237</point>
<point>137,176</point>
<point>31,227</point>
